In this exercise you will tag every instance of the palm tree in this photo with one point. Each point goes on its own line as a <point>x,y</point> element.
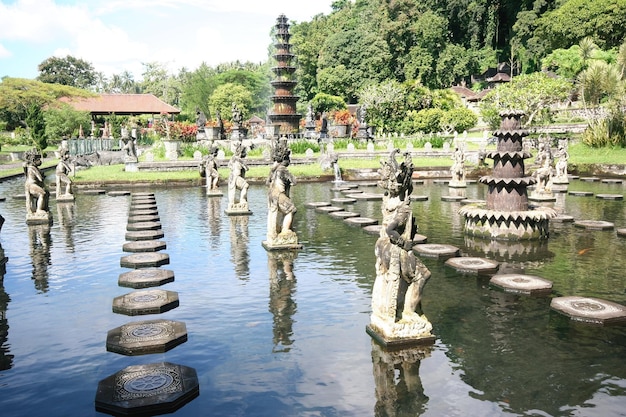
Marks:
<point>587,49</point>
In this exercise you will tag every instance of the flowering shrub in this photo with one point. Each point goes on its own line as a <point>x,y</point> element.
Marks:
<point>183,131</point>
<point>343,117</point>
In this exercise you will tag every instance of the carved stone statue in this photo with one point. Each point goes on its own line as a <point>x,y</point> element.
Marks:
<point>400,275</point>
<point>458,168</point>
<point>280,207</point>
<point>236,114</point>
<point>543,174</point>
<point>560,176</point>
<point>62,172</point>
<point>208,168</point>
<point>237,181</point>
<point>130,151</point>
<point>220,125</point>
<point>37,195</point>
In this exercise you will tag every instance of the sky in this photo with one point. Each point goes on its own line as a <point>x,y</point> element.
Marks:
<point>119,35</point>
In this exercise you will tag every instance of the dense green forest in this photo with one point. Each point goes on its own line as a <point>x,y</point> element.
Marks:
<point>399,57</point>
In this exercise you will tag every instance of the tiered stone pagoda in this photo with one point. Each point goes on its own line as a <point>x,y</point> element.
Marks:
<point>506,214</point>
<point>284,102</point>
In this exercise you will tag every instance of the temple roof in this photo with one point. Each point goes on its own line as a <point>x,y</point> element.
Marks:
<point>121,104</point>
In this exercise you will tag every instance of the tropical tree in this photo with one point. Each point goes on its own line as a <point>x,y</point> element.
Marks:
<point>598,82</point>
<point>36,126</point>
<point>226,95</point>
<point>62,121</point>
<point>70,71</point>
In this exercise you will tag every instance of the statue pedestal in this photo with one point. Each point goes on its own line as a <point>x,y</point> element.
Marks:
<point>65,198</point>
<point>214,192</point>
<point>238,209</point>
<point>39,218</point>
<point>542,196</point>
<point>454,183</point>
<point>283,241</point>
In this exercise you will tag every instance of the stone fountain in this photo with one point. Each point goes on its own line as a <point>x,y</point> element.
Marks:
<point>506,215</point>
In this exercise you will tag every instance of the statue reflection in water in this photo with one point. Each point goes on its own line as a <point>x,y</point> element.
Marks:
<point>40,243</point>
<point>399,390</point>
<point>66,211</point>
<point>239,241</point>
<point>6,359</point>
<point>282,305</point>
<point>214,206</point>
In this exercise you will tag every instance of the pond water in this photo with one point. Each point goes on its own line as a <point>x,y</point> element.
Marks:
<point>272,336</point>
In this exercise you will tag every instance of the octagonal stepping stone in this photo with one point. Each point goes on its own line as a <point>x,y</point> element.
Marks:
<point>436,250</point>
<point>441,181</point>
<point>366,196</point>
<point>328,209</point>
<point>118,193</point>
<point>144,260</point>
<point>590,310</point>
<point>143,194</point>
<point>343,200</point>
<point>418,182</point>
<point>369,184</point>
<point>373,229</point>
<point>340,188</point>
<point>580,193</point>
<point>343,214</point>
<point>452,198</point>
<point>610,196</point>
<point>621,232</point>
<point>473,265</point>
<point>522,284</point>
<point>144,302</point>
<point>419,198</point>
<point>143,212</point>
<point>145,337</point>
<point>594,224</point>
<point>589,179</point>
<point>419,239</point>
<point>4,198</point>
<point>144,246</point>
<point>351,191</point>
<point>315,204</point>
<point>150,389</point>
<point>144,199</point>
<point>94,192</point>
<point>472,201</point>
<point>19,197</point>
<point>145,278</point>
<point>612,181</point>
<point>143,226</point>
<point>562,218</point>
<point>144,235</point>
<point>144,218</point>
<point>360,221</point>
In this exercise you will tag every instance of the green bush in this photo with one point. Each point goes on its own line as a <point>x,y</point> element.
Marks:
<point>459,119</point>
<point>300,146</point>
<point>426,120</point>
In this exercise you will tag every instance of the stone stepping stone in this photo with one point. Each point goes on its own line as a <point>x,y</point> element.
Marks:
<point>118,193</point>
<point>417,182</point>
<point>351,191</point>
<point>522,284</point>
<point>473,265</point>
<point>590,310</point>
<point>149,389</point>
<point>373,229</point>
<point>621,232</point>
<point>144,235</point>
<point>4,198</point>
<point>419,198</point>
<point>594,224</point>
<point>145,278</point>
<point>466,201</point>
<point>366,196</point>
<point>340,189</point>
<point>370,184</point>
<point>343,214</point>
<point>144,260</point>
<point>343,200</point>
<point>589,179</point>
<point>453,198</point>
<point>144,218</point>
<point>145,337</point>
<point>19,197</point>
<point>612,181</point>
<point>610,196</point>
<point>360,221</point>
<point>94,192</point>
<point>419,239</point>
<point>131,227</point>
<point>572,177</point>
<point>315,204</point>
<point>143,302</point>
<point>436,250</point>
<point>441,181</point>
<point>143,198</point>
<point>142,206</point>
<point>143,194</point>
<point>143,212</point>
<point>562,218</point>
<point>328,209</point>
<point>144,246</point>
<point>580,193</point>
